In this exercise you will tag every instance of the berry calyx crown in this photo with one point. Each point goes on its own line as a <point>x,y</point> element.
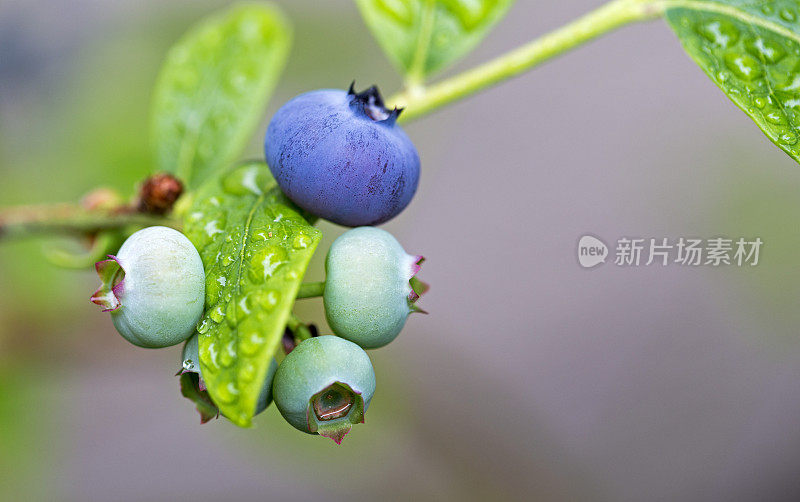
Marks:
<point>112,277</point>
<point>370,103</point>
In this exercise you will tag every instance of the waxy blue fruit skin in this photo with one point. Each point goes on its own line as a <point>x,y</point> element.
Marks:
<point>190,362</point>
<point>340,155</point>
<point>316,365</point>
<point>367,295</point>
<point>154,287</point>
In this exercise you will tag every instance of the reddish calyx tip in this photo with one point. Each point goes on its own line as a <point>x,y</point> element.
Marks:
<point>416,264</point>
<point>418,287</point>
<point>118,289</point>
<point>108,300</point>
<point>337,435</point>
<point>205,418</point>
<point>102,266</point>
<point>109,293</point>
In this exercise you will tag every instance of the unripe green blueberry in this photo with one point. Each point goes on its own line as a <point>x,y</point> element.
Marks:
<point>368,290</point>
<point>324,386</point>
<point>190,362</point>
<point>154,287</point>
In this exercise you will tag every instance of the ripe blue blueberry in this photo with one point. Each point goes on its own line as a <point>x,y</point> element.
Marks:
<point>341,156</point>
<point>324,386</point>
<point>154,288</point>
<point>370,286</point>
<point>190,362</point>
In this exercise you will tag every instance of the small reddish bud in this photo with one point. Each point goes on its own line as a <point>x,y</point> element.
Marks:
<point>159,193</point>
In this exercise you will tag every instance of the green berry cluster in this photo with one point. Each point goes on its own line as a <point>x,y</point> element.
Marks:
<point>154,289</point>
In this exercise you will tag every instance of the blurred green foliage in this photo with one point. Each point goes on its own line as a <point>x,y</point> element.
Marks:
<point>213,87</point>
<point>762,203</point>
<point>422,37</point>
<point>87,128</point>
<point>26,401</point>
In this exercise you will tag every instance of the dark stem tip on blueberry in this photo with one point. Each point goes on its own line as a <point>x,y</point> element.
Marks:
<point>333,402</point>
<point>371,103</point>
<point>334,410</point>
<point>288,341</point>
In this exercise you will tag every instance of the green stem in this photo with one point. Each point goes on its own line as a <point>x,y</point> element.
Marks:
<point>299,328</point>
<point>311,289</point>
<point>420,101</point>
<point>103,243</point>
<point>25,221</point>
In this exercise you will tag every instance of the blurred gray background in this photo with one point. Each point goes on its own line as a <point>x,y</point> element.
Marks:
<point>531,379</point>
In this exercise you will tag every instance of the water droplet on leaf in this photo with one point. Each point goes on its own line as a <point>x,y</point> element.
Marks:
<point>743,66</point>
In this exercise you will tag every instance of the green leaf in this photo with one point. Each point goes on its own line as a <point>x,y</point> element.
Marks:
<point>213,88</point>
<point>751,50</point>
<point>255,247</point>
<point>423,36</point>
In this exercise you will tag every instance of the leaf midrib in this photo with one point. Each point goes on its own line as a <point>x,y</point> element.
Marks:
<point>237,287</point>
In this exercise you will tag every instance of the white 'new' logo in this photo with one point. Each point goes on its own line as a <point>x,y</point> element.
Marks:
<point>591,251</point>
